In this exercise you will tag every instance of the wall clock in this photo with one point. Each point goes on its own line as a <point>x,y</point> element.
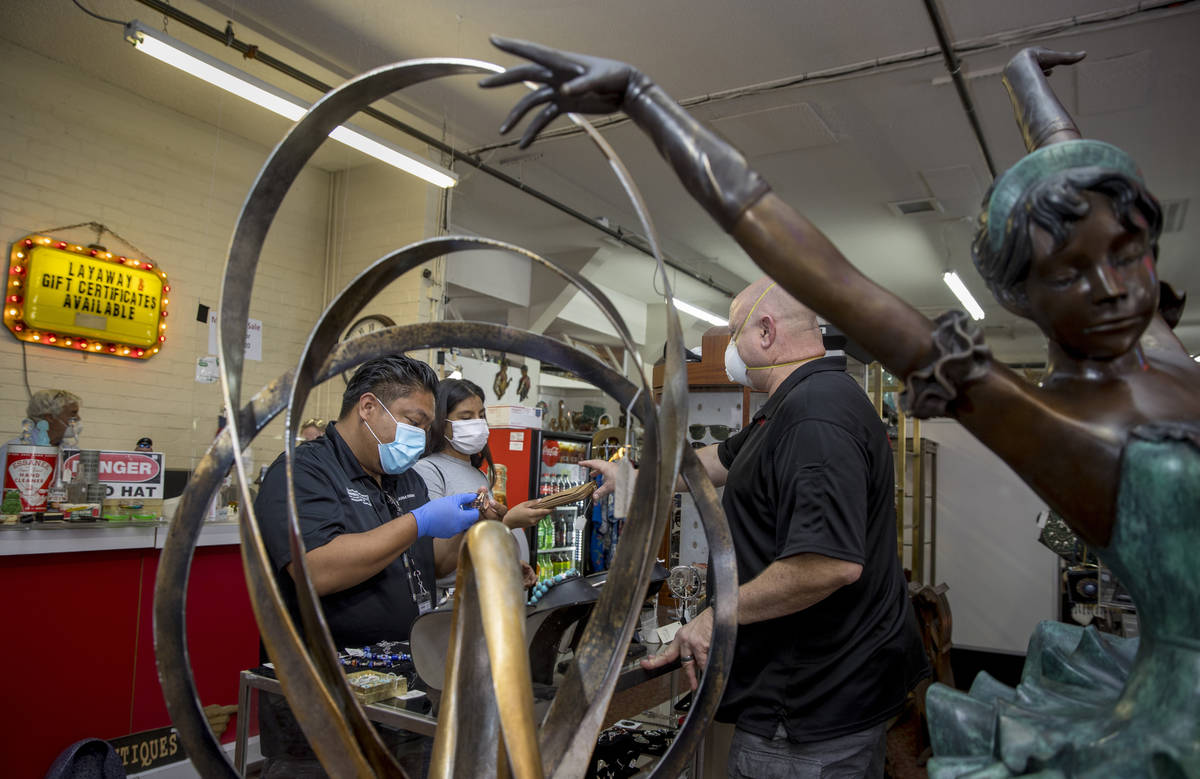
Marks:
<point>368,324</point>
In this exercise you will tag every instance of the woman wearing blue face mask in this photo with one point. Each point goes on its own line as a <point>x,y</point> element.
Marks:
<point>454,454</point>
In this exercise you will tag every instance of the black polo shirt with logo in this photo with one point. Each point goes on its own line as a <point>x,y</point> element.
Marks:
<point>334,495</point>
<point>813,473</point>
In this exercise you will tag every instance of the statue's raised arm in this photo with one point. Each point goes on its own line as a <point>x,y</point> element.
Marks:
<point>717,175</point>
<point>1067,238</point>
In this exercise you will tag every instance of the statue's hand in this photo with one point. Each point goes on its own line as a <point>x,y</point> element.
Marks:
<point>1046,60</point>
<point>571,83</point>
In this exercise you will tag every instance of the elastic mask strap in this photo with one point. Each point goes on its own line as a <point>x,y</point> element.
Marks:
<point>751,311</point>
<point>385,408</point>
<point>372,432</point>
<point>782,364</point>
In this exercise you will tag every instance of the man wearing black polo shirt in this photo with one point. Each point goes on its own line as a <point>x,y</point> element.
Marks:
<point>375,544</point>
<point>827,646</point>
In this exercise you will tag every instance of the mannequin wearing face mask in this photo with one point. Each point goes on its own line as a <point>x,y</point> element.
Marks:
<point>455,454</point>
<point>60,410</point>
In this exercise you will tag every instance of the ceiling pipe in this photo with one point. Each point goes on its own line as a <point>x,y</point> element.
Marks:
<point>249,51</point>
<point>954,65</point>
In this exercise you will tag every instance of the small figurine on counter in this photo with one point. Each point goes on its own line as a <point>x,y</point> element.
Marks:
<point>41,433</point>
<point>26,432</point>
<point>145,444</point>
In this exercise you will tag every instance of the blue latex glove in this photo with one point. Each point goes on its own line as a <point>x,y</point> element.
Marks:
<point>446,517</point>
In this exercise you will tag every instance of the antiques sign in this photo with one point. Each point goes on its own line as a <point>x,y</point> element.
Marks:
<point>85,299</point>
<point>148,749</point>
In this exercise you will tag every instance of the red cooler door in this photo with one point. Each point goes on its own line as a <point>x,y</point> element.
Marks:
<point>514,448</point>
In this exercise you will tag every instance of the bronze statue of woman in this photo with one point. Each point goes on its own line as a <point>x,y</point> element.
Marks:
<point>1110,440</point>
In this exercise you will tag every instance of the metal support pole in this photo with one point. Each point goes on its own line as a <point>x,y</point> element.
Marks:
<point>901,457</point>
<point>918,478</point>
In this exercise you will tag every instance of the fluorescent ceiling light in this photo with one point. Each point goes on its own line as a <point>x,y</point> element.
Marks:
<point>178,54</point>
<point>699,313</point>
<point>963,294</point>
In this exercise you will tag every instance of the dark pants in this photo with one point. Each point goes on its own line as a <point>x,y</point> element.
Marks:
<point>288,754</point>
<point>846,757</point>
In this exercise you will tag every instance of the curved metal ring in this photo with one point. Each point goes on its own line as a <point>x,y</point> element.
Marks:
<point>207,477</point>
<point>594,680</point>
<point>332,323</point>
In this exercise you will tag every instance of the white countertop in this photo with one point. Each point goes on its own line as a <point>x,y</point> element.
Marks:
<point>56,538</point>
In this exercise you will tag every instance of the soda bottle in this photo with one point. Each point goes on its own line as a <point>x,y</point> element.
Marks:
<point>500,488</point>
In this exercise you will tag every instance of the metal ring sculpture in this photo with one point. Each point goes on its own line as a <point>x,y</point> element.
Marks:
<point>487,644</point>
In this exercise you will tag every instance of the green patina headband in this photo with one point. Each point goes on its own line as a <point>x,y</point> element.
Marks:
<point>1042,163</point>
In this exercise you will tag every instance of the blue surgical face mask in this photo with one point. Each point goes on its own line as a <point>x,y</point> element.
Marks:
<point>398,456</point>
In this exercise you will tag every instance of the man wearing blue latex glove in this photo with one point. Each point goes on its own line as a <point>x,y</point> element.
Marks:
<point>446,517</point>
<point>375,544</point>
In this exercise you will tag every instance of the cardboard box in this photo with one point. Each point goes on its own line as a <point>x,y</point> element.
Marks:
<point>514,416</point>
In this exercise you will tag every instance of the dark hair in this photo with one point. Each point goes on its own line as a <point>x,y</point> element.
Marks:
<point>388,378</point>
<point>451,392</point>
<point>1055,204</point>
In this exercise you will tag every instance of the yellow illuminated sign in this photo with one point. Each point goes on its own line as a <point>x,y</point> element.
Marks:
<point>86,299</point>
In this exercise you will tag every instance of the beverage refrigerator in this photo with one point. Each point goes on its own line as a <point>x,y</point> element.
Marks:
<point>538,463</point>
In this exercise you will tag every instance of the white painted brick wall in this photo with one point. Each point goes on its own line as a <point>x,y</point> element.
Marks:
<point>174,187</point>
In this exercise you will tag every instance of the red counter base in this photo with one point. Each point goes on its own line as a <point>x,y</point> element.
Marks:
<point>78,652</point>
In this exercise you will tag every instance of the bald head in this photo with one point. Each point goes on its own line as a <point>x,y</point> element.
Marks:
<point>794,322</point>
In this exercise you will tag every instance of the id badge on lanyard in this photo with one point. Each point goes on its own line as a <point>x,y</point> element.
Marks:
<point>416,587</point>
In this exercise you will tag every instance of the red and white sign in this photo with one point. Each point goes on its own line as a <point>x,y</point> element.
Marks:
<point>550,453</point>
<point>30,469</point>
<point>125,474</point>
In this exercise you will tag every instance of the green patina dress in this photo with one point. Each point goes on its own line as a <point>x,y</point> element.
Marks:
<point>1091,704</point>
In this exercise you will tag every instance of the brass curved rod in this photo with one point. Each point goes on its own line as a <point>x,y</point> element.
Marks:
<point>488,670</point>
<point>275,180</point>
<point>271,186</point>
<point>338,315</point>
<point>171,585</point>
<point>284,642</point>
<point>169,594</point>
<point>170,599</point>
<point>724,599</point>
<point>570,739</point>
<point>170,589</point>
<point>490,336</point>
<point>636,579</point>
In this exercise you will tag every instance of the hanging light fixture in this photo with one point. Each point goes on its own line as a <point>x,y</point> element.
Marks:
<point>191,60</point>
<point>699,313</point>
<point>963,294</point>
